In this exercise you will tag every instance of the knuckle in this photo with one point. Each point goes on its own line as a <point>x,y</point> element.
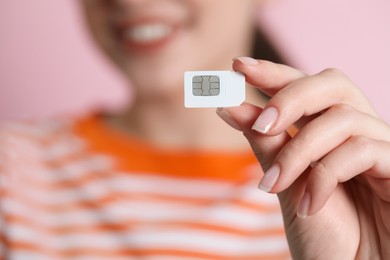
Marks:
<point>321,171</point>
<point>341,78</point>
<point>294,151</point>
<point>365,146</point>
<point>333,72</point>
<point>344,111</point>
<point>361,143</point>
<point>295,145</point>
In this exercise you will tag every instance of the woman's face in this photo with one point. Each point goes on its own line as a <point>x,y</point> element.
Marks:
<point>155,41</point>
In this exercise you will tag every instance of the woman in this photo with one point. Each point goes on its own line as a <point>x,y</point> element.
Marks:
<point>160,181</point>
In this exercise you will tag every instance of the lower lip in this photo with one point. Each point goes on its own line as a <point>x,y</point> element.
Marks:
<point>148,47</point>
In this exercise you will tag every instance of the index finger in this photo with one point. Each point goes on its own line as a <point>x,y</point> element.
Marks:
<point>265,75</point>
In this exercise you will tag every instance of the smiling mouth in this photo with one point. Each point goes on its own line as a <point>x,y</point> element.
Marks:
<point>147,33</point>
<point>146,36</point>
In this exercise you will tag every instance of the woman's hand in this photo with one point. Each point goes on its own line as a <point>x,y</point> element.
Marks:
<point>333,176</point>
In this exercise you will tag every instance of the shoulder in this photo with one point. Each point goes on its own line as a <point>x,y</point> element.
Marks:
<point>46,151</point>
<point>36,140</point>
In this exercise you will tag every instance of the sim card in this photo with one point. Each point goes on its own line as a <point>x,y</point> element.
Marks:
<point>213,88</point>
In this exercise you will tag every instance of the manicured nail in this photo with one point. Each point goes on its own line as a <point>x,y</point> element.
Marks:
<point>266,120</point>
<point>225,115</point>
<point>247,60</point>
<point>304,205</point>
<point>269,179</point>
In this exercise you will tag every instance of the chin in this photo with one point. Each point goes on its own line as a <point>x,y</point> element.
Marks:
<point>159,92</point>
<point>158,82</point>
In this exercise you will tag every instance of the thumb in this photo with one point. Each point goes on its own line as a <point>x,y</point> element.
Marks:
<point>264,147</point>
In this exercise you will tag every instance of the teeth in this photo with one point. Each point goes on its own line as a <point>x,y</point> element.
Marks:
<point>148,33</point>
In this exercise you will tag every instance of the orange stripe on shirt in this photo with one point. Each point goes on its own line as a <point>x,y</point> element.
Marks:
<point>137,156</point>
<point>128,225</point>
<point>134,157</point>
<point>140,253</point>
<point>137,196</point>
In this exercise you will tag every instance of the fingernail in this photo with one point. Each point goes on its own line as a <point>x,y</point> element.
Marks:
<point>225,115</point>
<point>304,205</point>
<point>266,120</point>
<point>247,60</point>
<point>269,179</point>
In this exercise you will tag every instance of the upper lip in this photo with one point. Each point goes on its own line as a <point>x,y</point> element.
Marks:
<point>126,24</point>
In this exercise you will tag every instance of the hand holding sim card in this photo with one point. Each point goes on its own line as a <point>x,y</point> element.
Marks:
<point>213,88</point>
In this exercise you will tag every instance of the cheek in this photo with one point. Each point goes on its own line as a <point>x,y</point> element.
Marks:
<point>224,20</point>
<point>97,14</point>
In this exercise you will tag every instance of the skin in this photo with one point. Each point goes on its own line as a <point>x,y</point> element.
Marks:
<point>157,114</point>
<point>339,157</point>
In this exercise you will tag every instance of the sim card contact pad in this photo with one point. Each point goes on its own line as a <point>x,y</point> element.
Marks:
<point>206,85</point>
<point>213,88</point>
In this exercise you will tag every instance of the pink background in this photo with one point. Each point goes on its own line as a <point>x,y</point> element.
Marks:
<point>48,66</point>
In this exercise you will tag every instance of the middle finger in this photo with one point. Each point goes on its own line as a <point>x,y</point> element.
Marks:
<point>308,96</point>
<point>335,126</point>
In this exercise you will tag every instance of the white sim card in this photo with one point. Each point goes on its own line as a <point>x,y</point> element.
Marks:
<point>213,88</point>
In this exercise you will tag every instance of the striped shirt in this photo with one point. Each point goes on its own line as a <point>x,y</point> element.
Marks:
<point>81,190</point>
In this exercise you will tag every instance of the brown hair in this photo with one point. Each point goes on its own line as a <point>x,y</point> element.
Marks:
<point>263,48</point>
